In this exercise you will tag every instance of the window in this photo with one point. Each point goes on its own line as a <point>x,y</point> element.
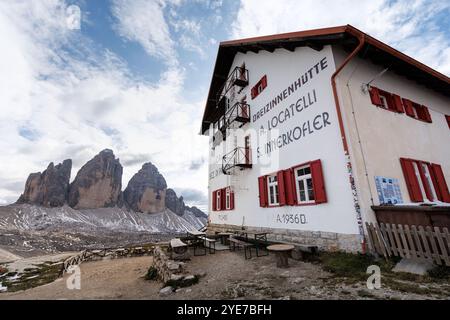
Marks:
<point>394,102</point>
<point>304,185</point>
<point>386,100</point>
<point>417,111</point>
<point>272,186</point>
<point>228,199</point>
<point>218,200</point>
<point>299,185</point>
<point>424,180</point>
<point>223,199</point>
<point>259,87</point>
<point>242,75</point>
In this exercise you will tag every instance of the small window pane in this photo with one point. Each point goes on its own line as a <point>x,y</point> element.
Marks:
<point>307,170</point>
<point>310,189</point>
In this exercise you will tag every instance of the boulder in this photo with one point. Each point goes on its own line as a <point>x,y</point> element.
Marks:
<point>49,188</point>
<point>146,190</point>
<point>174,203</point>
<point>98,184</point>
<point>166,291</point>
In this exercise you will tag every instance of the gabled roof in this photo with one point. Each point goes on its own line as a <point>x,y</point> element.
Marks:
<point>346,36</point>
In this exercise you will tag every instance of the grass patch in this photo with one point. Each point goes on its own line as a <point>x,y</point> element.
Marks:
<point>42,274</point>
<point>351,266</point>
<point>152,273</point>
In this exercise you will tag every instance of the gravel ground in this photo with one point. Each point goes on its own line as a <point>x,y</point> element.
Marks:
<point>228,276</point>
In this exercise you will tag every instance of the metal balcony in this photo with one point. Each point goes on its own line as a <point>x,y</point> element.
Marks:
<point>238,77</point>
<point>239,157</point>
<point>239,113</point>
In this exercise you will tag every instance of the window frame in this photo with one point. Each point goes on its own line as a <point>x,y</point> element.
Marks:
<point>387,101</point>
<point>218,200</point>
<point>304,178</point>
<point>227,198</point>
<point>276,189</point>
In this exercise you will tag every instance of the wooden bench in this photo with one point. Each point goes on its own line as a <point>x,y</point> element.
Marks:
<point>210,243</point>
<point>179,249</point>
<point>241,244</point>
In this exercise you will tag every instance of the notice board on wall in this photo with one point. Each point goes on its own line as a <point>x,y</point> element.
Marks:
<point>388,190</point>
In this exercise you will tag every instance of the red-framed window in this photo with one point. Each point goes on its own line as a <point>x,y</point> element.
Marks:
<point>223,199</point>
<point>424,180</point>
<point>300,185</point>
<point>259,87</point>
<point>448,120</point>
<point>394,102</point>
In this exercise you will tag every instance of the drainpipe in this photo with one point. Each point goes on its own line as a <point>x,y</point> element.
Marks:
<point>361,39</point>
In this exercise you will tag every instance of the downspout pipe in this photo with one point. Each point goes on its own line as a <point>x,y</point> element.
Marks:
<point>362,40</point>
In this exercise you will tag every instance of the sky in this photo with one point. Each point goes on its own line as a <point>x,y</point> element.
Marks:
<point>133,75</point>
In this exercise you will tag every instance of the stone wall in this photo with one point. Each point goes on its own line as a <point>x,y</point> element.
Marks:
<point>327,241</point>
<point>167,269</point>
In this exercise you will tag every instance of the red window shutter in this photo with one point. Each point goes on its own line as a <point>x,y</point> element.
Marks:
<point>438,174</point>
<point>264,82</point>
<point>281,188</point>
<point>426,114</point>
<point>223,199</point>
<point>434,180</point>
<point>448,120</point>
<point>232,200</point>
<point>318,182</point>
<point>289,182</point>
<point>375,96</point>
<point>253,93</point>
<point>398,103</point>
<point>409,109</point>
<point>214,200</point>
<point>411,180</point>
<point>262,183</point>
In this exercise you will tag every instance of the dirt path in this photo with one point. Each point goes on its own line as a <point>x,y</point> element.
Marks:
<point>107,279</point>
<point>228,276</point>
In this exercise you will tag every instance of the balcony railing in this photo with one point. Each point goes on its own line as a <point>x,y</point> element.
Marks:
<point>238,77</point>
<point>239,157</point>
<point>240,112</point>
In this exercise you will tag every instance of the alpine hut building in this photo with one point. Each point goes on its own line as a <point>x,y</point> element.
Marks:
<point>314,133</point>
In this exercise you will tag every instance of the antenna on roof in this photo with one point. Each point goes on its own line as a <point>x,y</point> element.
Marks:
<point>365,86</point>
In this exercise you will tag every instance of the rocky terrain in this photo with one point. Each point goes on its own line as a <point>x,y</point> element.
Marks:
<point>92,212</point>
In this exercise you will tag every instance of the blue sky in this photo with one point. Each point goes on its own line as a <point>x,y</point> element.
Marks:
<point>135,76</point>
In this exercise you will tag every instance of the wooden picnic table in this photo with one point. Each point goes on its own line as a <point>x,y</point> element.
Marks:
<point>198,242</point>
<point>282,253</point>
<point>258,236</point>
<point>196,233</point>
<point>224,236</point>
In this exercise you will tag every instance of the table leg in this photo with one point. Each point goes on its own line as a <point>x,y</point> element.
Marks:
<point>282,259</point>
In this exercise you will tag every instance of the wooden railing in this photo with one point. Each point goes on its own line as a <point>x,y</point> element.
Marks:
<point>406,241</point>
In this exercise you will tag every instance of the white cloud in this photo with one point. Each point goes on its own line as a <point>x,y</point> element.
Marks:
<point>55,105</point>
<point>409,25</point>
<point>143,21</point>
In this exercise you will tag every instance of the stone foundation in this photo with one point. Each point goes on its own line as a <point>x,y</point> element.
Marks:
<point>326,241</point>
<point>167,269</point>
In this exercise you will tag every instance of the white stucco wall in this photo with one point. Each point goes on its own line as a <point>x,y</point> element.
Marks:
<point>386,136</point>
<point>283,68</point>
